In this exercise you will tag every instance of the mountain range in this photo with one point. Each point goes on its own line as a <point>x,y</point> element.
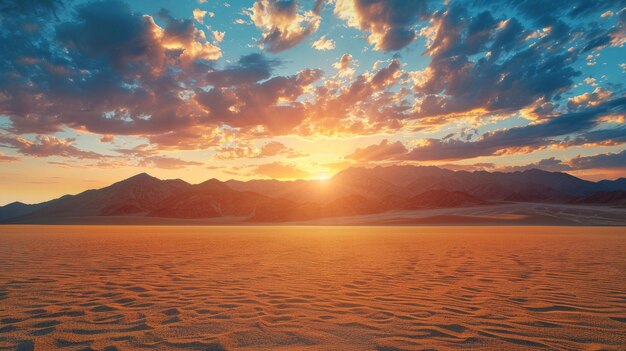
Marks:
<point>351,193</point>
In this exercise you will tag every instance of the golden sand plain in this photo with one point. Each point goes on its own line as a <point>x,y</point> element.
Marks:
<point>312,288</point>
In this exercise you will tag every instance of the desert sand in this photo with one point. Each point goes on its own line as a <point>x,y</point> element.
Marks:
<point>312,288</point>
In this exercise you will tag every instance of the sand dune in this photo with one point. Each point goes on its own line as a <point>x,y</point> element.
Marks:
<point>312,288</point>
<point>505,213</point>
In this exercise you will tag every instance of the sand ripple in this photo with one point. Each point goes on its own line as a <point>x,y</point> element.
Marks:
<point>302,288</point>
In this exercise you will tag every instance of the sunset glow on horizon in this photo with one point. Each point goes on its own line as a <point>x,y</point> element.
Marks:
<point>93,92</point>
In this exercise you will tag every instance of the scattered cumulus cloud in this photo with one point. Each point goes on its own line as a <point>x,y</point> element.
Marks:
<point>198,15</point>
<point>324,44</point>
<point>284,24</point>
<point>391,24</point>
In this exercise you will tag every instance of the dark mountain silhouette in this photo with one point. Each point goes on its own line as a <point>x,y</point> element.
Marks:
<point>352,192</point>
<point>16,209</point>
<point>609,185</point>
<point>485,185</point>
<point>612,198</point>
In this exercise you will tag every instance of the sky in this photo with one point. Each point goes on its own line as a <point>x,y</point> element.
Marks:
<point>93,92</point>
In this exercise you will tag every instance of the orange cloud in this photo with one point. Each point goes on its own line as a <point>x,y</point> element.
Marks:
<point>7,158</point>
<point>167,162</point>
<point>270,149</point>
<point>45,146</point>
<point>323,44</point>
<point>383,151</point>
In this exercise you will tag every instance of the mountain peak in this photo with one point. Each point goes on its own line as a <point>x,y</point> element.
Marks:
<point>142,175</point>
<point>16,203</point>
<point>214,184</point>
<point>137,179</point>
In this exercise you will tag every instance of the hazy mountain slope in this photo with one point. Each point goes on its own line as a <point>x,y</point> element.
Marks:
<point>301,191</point>
<point>380,182</point>
<point>400,175</point>
<point>136,195</point>
<point>215,199</point>
<point>347,183</point>
<point>547,186</point>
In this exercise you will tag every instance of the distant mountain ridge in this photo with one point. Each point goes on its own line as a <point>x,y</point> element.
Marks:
<point>352,192</point>
<point>536,185</point>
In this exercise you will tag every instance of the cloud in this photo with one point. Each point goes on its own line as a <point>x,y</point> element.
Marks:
<point>390,23</point>
<point>250,68</point>
<point>541,11</point>
<point>133,39</point>
<point>275,148</point>
<point>186,41</point>
<point>197,136</point>
<point>119,74</point>
<point>279,170</point>
<point>483,63</point>
<point>549,164</point>
<point>384,151</point>
<point>283,24</point>
<point>588,99</point>
<point>323,44</point>
<point>199,15</point>
<point>38,8</point>
<point>108,138</point>
<point>167,162</point>
<point>272,104</point>
<point>516,139</point>
<point>142,150</point>
<point>144,155</point>
<point>604,136</point>
<point>365,105</point>
<point>7,158</point>
<point>269,149</point>
<point>105,69</point>
<point>343,63</point>
<point>606,160</point>
<point>345,66</point>
<point>218,36</point>
<point>599,161</point>
<point>64,164</point>
<point>46,146</point>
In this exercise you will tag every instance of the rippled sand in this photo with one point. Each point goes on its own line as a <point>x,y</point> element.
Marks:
<point>312,288</point>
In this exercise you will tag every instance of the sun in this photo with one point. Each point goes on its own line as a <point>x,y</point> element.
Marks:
<point>322,176</point>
